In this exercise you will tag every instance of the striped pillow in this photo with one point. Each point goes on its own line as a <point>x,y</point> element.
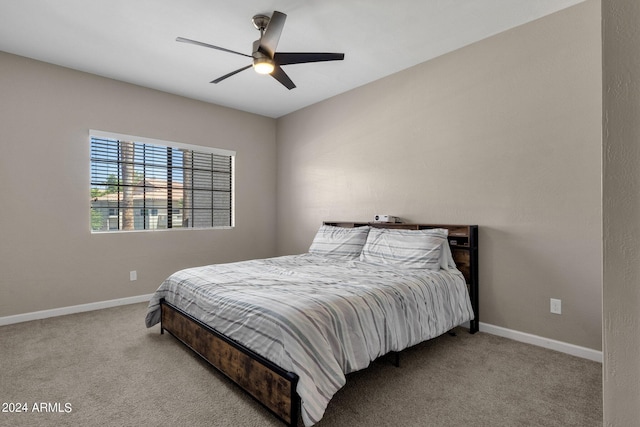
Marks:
<point>339,242</point>
<point>407,248</point>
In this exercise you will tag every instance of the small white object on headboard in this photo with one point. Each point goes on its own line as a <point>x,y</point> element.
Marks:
<point>386,218</point>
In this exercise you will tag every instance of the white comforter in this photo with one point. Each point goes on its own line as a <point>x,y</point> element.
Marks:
<point>319,317</point>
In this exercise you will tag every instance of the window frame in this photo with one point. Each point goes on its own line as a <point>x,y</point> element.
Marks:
<point>174,145</point>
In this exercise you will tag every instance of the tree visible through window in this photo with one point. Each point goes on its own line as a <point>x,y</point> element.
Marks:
<point>143,184</point>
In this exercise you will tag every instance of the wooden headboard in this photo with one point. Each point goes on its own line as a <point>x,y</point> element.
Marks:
<point>463,240</point>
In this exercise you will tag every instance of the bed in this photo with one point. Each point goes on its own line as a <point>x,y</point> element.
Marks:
<point>288,329</point>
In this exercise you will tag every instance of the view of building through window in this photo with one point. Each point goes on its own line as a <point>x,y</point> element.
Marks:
<point>149,185</point>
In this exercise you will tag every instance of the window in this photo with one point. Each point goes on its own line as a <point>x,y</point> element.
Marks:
<point>145,184</point>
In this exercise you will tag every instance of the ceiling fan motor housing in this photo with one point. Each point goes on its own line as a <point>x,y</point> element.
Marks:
<point>262,63</point>
<point>256,52</point>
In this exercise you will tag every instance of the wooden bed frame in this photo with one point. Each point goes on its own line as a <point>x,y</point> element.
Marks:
<point>269,384</point>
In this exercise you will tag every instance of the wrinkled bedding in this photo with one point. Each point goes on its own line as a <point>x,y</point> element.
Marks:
<point>318,317</point>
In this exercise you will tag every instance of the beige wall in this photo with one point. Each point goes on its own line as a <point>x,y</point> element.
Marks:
<point>621,211</point>
<point>48,257</point>
<point>506,134</point>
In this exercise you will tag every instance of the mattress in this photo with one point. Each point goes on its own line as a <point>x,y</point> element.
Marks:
<point>318,317</point>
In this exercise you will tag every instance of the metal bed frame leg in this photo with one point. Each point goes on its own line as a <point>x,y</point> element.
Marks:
<point>162,300</point>
<point>396,358</point>
<point>474,326</point>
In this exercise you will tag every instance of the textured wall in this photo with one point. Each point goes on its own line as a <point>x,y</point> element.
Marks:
<point>504,133</point>
<point>621,211</point>
<point>48,257</point>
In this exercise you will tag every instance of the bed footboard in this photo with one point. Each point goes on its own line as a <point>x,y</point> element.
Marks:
<point>272,386</point>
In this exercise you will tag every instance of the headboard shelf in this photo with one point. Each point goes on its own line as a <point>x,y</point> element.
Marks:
<point>463,240</point>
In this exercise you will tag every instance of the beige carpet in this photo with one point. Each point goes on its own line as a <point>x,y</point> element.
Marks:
<point>105,368</point>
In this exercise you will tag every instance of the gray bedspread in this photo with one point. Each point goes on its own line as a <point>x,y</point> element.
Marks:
<point>318,317</point>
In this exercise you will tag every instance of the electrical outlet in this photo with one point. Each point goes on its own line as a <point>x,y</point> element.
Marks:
<point>133,275</point>
<point>556,306</point>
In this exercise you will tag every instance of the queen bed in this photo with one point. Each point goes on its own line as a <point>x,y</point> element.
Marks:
<point>288,329</point>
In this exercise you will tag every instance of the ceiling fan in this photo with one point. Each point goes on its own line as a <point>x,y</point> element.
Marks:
<point>265,58</point>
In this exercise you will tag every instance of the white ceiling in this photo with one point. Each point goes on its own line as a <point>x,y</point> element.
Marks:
<point>134,41</point>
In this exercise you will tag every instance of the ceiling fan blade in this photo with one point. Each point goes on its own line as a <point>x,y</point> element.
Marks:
<point>279,74</point>
<point>183,40</point>
<point>219,79</point>
<point>271,36</point>
<point>287,58</point>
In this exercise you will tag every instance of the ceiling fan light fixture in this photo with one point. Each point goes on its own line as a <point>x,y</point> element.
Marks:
<point>263,65</point>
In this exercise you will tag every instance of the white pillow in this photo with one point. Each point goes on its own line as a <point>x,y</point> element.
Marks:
<point>446,257</point>
<point>339,242</point>
<point>407,248</point>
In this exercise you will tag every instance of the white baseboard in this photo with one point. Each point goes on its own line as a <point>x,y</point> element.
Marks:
<point>574,350</point>
<point>26,317</point>
<point>585,353</point>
